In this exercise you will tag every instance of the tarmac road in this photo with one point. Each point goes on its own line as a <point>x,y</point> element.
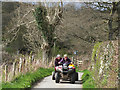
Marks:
<point>47,82</point>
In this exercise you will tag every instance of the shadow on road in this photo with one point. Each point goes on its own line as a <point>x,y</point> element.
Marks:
<point>68,82</point>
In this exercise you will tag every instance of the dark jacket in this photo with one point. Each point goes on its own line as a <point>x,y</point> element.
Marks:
<point>68,61</point>
<point>57,60</point>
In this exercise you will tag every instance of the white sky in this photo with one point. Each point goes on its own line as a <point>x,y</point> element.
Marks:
<point>59,0</point>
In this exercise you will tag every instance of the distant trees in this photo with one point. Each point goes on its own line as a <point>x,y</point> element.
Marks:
<point>80,26</point>
<point>112,7</point>
<point>115,8</point>
<point>48,16</point>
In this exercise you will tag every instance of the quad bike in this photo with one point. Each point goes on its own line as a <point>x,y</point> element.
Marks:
<point>65,72</point>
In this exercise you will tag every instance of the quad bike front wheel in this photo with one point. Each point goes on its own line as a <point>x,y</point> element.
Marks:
<point>53,75</point>
<point>76,76</point>
<point>73,77</point>
<point>57,77</point>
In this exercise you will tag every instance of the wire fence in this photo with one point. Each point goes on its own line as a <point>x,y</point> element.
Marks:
<point>21,66</point>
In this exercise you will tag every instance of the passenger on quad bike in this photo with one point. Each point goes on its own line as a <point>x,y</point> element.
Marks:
<point>58,59</point>
<point>65,60</point>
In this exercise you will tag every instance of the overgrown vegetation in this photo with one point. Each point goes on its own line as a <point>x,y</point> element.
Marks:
<point>103,72</point>
<point>26,81</point>
<point>96,47</point>
<point>104,64</point>
<point>87,79</point>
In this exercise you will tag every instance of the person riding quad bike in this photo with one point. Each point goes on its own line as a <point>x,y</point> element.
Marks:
<point>57,60</point>
<point>65,60</point>
<point>66,71</point>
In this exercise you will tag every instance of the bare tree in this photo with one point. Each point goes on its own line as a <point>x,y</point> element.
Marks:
<point>22,24</point>
<point>108,7</point>
<point>48,16</point>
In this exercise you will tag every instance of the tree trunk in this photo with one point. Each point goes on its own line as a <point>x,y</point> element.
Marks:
<point>110,28</point>
<point>118,12</point>
<point>110,37</point>
<point>46,55</point>
<point>46,52</point>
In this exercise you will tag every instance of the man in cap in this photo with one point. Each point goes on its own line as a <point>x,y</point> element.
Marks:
<point>65,60</point>
<point>57,60</point>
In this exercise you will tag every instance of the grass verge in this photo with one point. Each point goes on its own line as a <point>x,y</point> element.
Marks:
<point>87,79</point>
<point>26,81</point>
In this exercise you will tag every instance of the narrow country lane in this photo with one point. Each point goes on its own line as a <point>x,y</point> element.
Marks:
<point>47,82</point>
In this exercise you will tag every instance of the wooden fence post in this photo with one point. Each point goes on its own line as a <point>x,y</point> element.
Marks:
<point>32,58</point>
<point>9,74</point>
<point>13,69</point>
<point>5,73</point>
<point>20,64</point>
<point>23,65</point>
<point>73,60</point>
<point>77,62</point>
<point>47,63</point>
<point>17,68</point>
<point>26,62</point>
<point>34,64</point>
<point>80,63</point>
<point>1,73</point>
<point>30,62</point>
<point>52,61</point>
